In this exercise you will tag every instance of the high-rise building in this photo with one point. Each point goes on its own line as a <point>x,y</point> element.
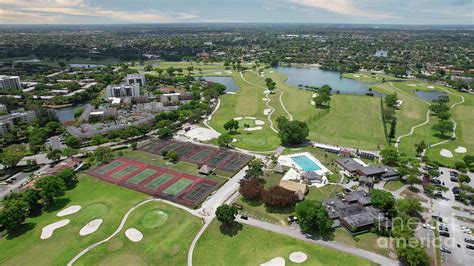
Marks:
<point>135,79</point>
<point>122,90</point>
<point>7,122</point>
<point>10,82</point>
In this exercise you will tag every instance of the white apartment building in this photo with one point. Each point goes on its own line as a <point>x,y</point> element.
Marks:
<point>122,90</point>
<point>9,82</point>
<point>135,79</point>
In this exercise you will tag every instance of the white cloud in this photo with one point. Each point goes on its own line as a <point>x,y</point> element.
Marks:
<point>344,7</point>
<point>67,11</point>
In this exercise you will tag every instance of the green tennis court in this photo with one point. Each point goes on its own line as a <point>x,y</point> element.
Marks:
<point>141,176</point>
<point>178,186</point>
<point>125,171</point>
<point>201,155</point>
<point>172,146</point>
<point>109,167</point>
<point>158,181</point>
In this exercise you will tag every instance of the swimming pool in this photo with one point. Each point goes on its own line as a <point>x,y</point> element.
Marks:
<point>305,163</point>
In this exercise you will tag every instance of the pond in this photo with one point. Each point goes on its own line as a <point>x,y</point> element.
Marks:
<point>67,113</point>
<point>228,81</point>
<point>86,65</point>
<point>313,76</point>
<point>430,95</point>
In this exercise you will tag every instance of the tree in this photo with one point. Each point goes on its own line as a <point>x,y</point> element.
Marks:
<point>251,189</point>
<point>14,213</point>
<point>231,125</point>
<point>102,155</point>
<point>439,108</point>
<point>464,179</point>
<point>444,115</point>
<point>51,187</point>
<point>224,140</point>
<point>54,155</point>
<point>12,155</point>
<point>468,159</point>
<point>68,176</point>
<point>164,132</point>
<point>443,127</point>
<point>98,140</point>
<point>32,197</point>
<point>255,169</point>
<point>412,179</point>
<point>413,255</point>
<point>134,145</point>
<point>420,147</point>
<point>148,68</point>
<point>393,126</point>
<point>278,197</point>
<point>410,206</point>
<point>226,214</point>
<point>292,132</point>
<point>391,100</point>
<point>72,142</point>
<point>313,217</point>
<point>382,199</point>
<point>172,156</point>
<point>390,156</point>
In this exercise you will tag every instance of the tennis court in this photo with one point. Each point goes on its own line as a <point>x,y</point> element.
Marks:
<point>158,181</point>
<point>109,167</point>
<point>141,176</point>
<point>125,171</point>
<point>178,186</point>
<point>182,188</point>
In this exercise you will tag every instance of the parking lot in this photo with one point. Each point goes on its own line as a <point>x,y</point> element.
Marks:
<point>443,207</point>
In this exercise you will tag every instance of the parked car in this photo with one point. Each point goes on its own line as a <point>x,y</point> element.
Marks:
<point>444,249</point>
<point>453,178</point>
<point>444,233</point>
<point>438,193</point>
<point>453,173</point>
<point>456,190</point>
<point>436,217</point>
<point>457,197</point>
<point>244,217</point>
<point>470,246</point>
<point>436,181</point>
<point>469,240</point>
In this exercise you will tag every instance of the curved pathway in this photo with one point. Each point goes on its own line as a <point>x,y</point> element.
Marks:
<point>284,108</point>
<point>206,121</point>
<point>122,225</point>
<point>267,103</point>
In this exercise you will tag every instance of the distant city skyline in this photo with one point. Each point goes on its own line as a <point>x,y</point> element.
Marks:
<point>252,11</point>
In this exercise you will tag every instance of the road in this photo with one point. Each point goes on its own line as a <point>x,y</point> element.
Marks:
<point>21,178</point>
<point>296,233</point>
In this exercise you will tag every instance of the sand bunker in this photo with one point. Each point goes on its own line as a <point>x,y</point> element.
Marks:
<point>271,72</point>
<point>90,227</point>
<point>266,91</point>
<point>267,111</point>
<point>218,73</point>
<point>356,76</point>
<point>69,210</point>
<point>411,85</point>
<point>48,230</point>
<point>298,257</point>
<point>264,99</point>
<point>134,235</point>
<point>231,92</point>
<point>228,72</point>
<point>314,95</point>
<point>460,149</point>
<point>278,261</point>
<point>238,118</point>
<point>313,102</point>
<point>250,117</point>
<point>430,87</point>
<point>259,123</point>
<point>446,153</point>
<point>234,140</point>
<point>253,128</point>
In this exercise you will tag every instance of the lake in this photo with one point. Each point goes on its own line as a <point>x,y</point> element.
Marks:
<point>67,113</point>
<point>313,76</point>
<point>228,81</point>
<point>430,95</point>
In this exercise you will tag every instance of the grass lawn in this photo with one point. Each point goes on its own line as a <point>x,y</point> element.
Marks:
<point>366,241</point>
<point>167,234</point>
<point>407,193</point>
<point>393,185</point>
<point>368,77</point>
<point>323,193</point>
<point>252,246</point>
<point>103,200</point>
<point>247,102</point>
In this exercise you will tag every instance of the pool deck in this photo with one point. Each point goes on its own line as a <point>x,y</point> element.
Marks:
<point>286,160</point>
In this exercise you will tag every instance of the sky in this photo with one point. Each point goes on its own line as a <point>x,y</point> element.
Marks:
<point>227,11</point>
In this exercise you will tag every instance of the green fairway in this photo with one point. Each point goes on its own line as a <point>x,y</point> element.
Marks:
<point>253,246</point>
<point>158,181</point>
<point>370,77</point>
<point>125,171</point>
<point>109,167</point>
<point>141,176</point>
<point>178,186</point>
<point>99,199</point>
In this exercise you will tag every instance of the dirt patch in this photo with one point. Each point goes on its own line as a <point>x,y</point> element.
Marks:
<point>123,259</point>
<point>115,244</point>
<point>173,250</point>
